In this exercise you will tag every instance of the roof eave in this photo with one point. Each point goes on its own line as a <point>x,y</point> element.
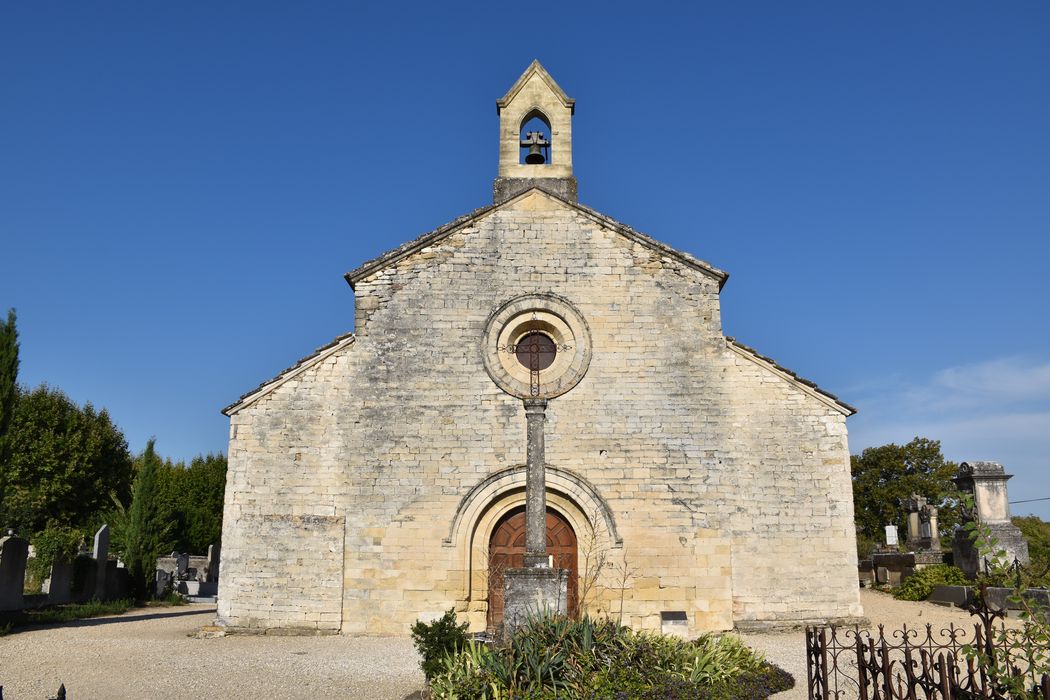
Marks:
<point>295,370</point>
<point>802,383</point>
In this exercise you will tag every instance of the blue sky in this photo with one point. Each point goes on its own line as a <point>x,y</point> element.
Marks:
<point>183,185</point>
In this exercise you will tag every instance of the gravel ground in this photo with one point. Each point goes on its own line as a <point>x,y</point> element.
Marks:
<point>154,653</point>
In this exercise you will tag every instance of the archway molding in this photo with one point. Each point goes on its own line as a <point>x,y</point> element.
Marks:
<point>481,508</point>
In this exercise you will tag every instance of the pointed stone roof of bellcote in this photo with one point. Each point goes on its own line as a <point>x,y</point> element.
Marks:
<point>535,68</point>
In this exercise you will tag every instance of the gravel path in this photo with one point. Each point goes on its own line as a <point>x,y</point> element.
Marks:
<point>154,654</point>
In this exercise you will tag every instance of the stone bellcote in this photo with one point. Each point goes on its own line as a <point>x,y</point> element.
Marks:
<point>536,100</point>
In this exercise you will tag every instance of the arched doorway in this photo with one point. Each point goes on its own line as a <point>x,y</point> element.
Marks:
<point>507,551</point>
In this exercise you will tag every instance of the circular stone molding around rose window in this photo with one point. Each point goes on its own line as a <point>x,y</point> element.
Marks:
<point>518,359</point>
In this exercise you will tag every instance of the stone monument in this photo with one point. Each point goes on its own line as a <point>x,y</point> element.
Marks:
<point>924,540</point>
<point>986,483</point>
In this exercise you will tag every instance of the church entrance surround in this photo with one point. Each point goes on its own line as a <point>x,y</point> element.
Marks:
<point>507,551</point>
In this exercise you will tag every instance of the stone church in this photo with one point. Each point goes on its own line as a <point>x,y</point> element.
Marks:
<point>690,483</point>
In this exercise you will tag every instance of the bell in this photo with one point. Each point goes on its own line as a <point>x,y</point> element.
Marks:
<point>535,155</point>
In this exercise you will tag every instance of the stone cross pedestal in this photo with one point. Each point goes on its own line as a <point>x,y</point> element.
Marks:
<point>529,592</point>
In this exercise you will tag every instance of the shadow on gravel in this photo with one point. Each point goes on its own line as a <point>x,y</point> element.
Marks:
<point>126,617</point>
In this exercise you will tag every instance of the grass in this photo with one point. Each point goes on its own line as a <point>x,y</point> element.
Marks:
<point>57,614</point>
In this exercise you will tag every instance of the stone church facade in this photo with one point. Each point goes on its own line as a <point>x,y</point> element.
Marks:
<point>381,480</point>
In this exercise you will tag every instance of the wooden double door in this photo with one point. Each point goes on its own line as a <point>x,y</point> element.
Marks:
<point>507,551</point>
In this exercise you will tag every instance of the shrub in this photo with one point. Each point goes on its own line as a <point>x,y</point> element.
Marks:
<point>438,639</point>
<point>556,657</point>
<point>55,542</point>
<point>920,584</point>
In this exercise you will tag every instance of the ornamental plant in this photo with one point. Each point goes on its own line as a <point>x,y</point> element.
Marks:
<point>920,584</point>
<point>1016,660</point>
<point>586,659</point>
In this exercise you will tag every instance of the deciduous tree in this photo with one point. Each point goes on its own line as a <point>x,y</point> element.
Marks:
<point>63,464</point>
<point>885,477</point>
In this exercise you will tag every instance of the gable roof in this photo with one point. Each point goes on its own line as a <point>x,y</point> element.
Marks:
<point>806,385</point>
<point>298,368</point>
<point>536,69</point>
<point>427,239</point>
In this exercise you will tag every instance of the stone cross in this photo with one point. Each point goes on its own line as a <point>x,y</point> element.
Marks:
<point>535,486</point>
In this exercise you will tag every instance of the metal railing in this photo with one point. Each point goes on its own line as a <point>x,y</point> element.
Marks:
<point>915,663</point>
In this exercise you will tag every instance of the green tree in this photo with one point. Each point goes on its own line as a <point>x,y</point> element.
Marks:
<point>147,529</point>
<point>885,477</point>
<point>198,502</point>
<point>1036,532</point>
<point>64,462</point>
<point>8,392</point>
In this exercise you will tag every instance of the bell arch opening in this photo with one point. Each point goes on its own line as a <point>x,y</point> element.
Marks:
<point>535,139</point>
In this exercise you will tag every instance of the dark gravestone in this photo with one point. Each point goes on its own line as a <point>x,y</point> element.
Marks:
<point>956,596</point>
<point>60,586</point>
<point>13,553</point>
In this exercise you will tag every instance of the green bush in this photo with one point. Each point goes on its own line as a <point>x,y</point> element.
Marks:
<point>556,657</point>
<point>438,639</point>
<point>920,584</point>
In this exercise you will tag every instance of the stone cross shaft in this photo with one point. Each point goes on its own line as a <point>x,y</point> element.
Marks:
<point>535,486</point>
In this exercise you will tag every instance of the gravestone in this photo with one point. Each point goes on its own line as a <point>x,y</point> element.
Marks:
<point>182,563</point>
<point>100,552</point>
<point>60,583</point>
<point>924,539</point>
<point>953,596</point>
<point>891,536</point>
<point>214,551</point>
<point>13,554</point>
<point>164,579</point>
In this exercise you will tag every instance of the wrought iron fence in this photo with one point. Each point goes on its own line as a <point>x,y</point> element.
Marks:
<point>914,663</point>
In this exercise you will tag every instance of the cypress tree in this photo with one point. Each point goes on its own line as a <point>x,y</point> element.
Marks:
<point>8,394</point>
<point>147,527</point>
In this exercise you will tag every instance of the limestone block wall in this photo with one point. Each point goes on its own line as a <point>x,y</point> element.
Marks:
<point>671,430</point>
<point>793,536</point>
<point>283,525</point>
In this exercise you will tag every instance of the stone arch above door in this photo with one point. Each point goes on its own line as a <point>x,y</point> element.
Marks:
<point>499,493</point>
